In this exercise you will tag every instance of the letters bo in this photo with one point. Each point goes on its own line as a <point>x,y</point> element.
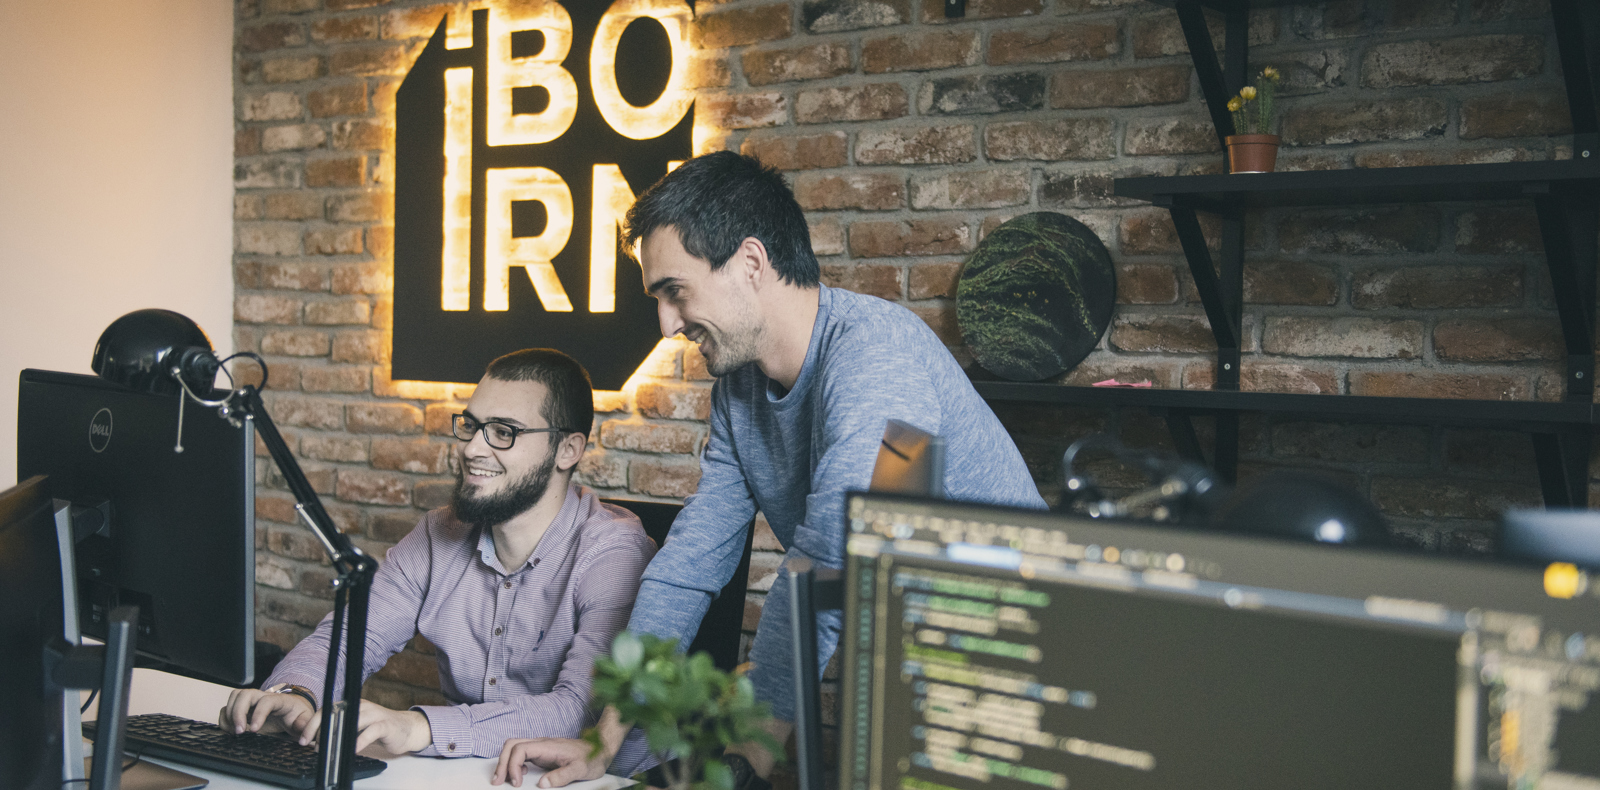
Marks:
<point>523,133</point>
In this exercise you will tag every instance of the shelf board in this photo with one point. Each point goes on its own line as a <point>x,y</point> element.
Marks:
<point>1224,5</point>
<point>1438,183</point>
<point>1528,416</point>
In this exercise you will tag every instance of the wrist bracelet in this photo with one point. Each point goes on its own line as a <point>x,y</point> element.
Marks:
<point>300,691</point>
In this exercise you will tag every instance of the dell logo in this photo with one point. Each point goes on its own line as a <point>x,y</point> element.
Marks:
<point>100,430</point>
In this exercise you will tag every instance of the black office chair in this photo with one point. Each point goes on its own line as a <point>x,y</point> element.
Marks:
<point>724,620</point>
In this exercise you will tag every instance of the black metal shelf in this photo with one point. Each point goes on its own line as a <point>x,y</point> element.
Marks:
<point>1435,184</point>
<point>1565,195</point>
<point>1527,416</point>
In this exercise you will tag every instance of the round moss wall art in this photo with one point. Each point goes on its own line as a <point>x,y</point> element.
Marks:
<point>1036,296</point>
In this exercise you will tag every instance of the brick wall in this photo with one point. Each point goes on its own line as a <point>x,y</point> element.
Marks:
<point>907,137</point>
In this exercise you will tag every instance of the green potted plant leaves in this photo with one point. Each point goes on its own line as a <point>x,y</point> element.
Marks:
<point>1253,148</point>
<point>688,709</point>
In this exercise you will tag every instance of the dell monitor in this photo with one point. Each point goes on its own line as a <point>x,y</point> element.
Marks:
<point>910,461</point>
<point>169,532</point>
<point>997,649</point>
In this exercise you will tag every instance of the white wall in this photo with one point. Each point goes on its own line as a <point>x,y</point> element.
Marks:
<point>116,189</point>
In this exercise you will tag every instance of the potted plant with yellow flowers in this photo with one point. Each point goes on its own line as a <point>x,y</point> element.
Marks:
<point>1253,148</point>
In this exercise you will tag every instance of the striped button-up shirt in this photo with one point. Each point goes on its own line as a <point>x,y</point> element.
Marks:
<point>515,646</point>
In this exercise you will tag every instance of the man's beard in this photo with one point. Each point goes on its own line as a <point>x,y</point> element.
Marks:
<point>496,509</point>
<point>736,347</point>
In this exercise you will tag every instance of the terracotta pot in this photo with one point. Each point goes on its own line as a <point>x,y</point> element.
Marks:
<point>1252,153</point>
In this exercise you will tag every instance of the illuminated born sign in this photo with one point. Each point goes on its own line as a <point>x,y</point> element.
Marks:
<point>523,134</point>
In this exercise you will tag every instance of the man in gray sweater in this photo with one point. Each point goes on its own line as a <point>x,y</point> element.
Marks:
<point>807,377</point>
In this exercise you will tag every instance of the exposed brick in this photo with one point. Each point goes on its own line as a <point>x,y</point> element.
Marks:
<point>362,278</point>
<point>335,379</point>
<point>1521,114</point>
<point>292,69</point>
<point>333,312</point>
<point>380,242</point>
<point>1054,44</point>
<point>800,152</point>
<point>282,276</point>
<point>339,171</point>
<point>1078,190</point>
<point>1433,287</point>
<point>933,10</point>
<point>273,106</point>
<point>430,494</point>
<point>368,60</point>
<point>1092,6</point>
<point>600,469</point>
<point>873,102</point>
<point>1452,61</point>
<point>417,22</point>
<point>1379,232</point>
<point>744,110</point>
<point>1499,231</point>
<point>292,206</point>
<point>877,280</point>
<point>827,236</point>
<point>295,343</point>
<point>276,508</point>
<point>811,62</point>
<point>1258,376</point>
<point>941,318</point>
<point>1159,35</point>
<point>360,347</point>
<point>1076,138</point>
<point>273,35</point>
<point>1363,444</point>
<point>1289,282</point>
<point>1311,71</point>
<point>1500,453</point>
<point>1150,231</point>
<point>373,488</point>
<point>360,135</point>
<point>1146,283</point>
<point>1364,122</point>
<point>339,30</point>
<point>290,607</point>
<point>893,238</point>
<point>1427,158</point>
<point>1490,10</point>
<point>933,280</point>
<point>833,16</point>
<point>709,71</point>
<point>673,401</point>
<point>333,241</point>
<point>349,449</point>
<point>694,367</point>
<point>1498,340</point>
<point>1171,334</point>
<point>972,189</point>
<point>917,145</point>
<point>267,174</point>
<point>663,478</point>
<point>743,26</point>
<point>438,417</point>
<point>271,7</point>
<point>648,437</point>
<point>327,415</point>
<point>1166,136</point>
<point>865,191</point>
<point>400,455</point>
<point>393,418</point>
<point>1436,498</point>
<point>349,98</point>
<point>246,142</point>
<point>982,94</point>
<point>363,207</point>
<point>1080,89</point>
<point>941,49</point>
<point>1343,337</point>
<point>266,309</point>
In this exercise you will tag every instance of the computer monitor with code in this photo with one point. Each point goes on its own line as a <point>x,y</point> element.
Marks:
<point>1011,650</point>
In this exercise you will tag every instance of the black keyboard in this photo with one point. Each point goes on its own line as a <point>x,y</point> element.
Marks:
<point>264,758</point>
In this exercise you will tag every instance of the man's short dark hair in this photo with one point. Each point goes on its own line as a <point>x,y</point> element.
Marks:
<point>718,200</point>
<point>570,405</point>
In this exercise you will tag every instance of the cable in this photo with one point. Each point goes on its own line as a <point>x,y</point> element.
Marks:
<point>89,701</point>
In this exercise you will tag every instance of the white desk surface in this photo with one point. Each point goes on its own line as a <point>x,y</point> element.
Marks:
<point>160,692</point>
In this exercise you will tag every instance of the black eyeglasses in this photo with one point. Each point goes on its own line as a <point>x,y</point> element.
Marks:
<point>499,435</point>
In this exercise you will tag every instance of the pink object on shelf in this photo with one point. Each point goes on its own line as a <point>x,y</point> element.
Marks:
<point>1115,383</point>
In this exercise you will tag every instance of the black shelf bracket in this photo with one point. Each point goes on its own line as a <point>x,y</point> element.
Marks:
<point>1563,460</point>
<point>1221,292</point>
<point>1568,223</point>
<point>1578,39</point>
<point>1216,84</point>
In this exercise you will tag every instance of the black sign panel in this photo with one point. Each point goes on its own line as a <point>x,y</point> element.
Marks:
<point>501,149</point>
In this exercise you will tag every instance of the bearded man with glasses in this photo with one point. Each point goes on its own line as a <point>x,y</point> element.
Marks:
<point>519,583</point>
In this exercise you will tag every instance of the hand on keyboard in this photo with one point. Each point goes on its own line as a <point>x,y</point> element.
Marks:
<point>252,710</point>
